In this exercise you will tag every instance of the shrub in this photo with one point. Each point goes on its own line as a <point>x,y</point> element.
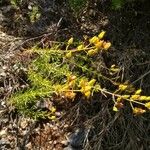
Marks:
<point>66,71</point>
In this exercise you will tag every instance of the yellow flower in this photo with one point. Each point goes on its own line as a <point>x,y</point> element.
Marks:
<point>87,88</point>
<point>53,109</point>
<point>99,44</point>
<point>123,87</point>
<point>70,95</point>
<point>94,40</point>
<point>101,35</point>
<point>106,45</point>
<point>82,83</point>
<point>70,41</point>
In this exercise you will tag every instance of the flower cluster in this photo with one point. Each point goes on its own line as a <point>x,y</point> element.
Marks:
<point>96,44</point>
<point>133,96</point>
<point>86,87</point>
<point>73,86</point>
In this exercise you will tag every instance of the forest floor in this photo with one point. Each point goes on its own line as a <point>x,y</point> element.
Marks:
<point>128,29</point>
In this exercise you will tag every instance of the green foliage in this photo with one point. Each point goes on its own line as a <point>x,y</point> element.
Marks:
<point>76,5</point>
<point>117,4</point>
<point>34,14</point>
<point>16,2</point>
<point>33,11</point>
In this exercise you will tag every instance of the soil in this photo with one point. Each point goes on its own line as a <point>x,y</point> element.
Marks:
<point>128,29</point>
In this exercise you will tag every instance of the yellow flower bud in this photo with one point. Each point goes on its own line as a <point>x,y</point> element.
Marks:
<point>125,96</point>
<point>119,99</point>
<point>52,117</point>
<point>148,98</point>
<point>53,109</point>
<point>70,41</point>
<point>87,94</point>
<point>135,97</point>
<point>138,111</point>
<point>91,82</point>
<point>115,108</point>
<point>69,55</point>
<point>71,77</point>
<point>106,45</point>
<point>101,35</point>
<point>112,66</point>
<point>71,84</point>
<point>142,98</point>
<point>99,44</point>
<point>147,105</point>
<point>94,40</point>
<point>92,52</point>
<point>80,47</point>
<point>122,87</point>
<point>138,92</point>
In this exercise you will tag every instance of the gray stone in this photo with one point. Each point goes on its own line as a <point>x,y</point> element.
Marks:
<point>70,148</point>
<point>77,138</point>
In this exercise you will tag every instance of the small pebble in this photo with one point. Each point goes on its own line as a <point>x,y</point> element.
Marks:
<point>29,145</point>
<point>23,124</point>
<point>3,133</point>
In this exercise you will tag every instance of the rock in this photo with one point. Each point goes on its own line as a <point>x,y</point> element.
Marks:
<point>23,124</point>
<point>3,142</point>
<point>77,138</point>
<point>3,74</point>
<point>64,142</point>
<point>3,133</point>
<point>4,145</point>
<point>70,148</point>
<point>29,146</point>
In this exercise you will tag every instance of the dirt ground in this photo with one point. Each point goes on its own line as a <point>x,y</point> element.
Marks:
<point>128,29</point>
